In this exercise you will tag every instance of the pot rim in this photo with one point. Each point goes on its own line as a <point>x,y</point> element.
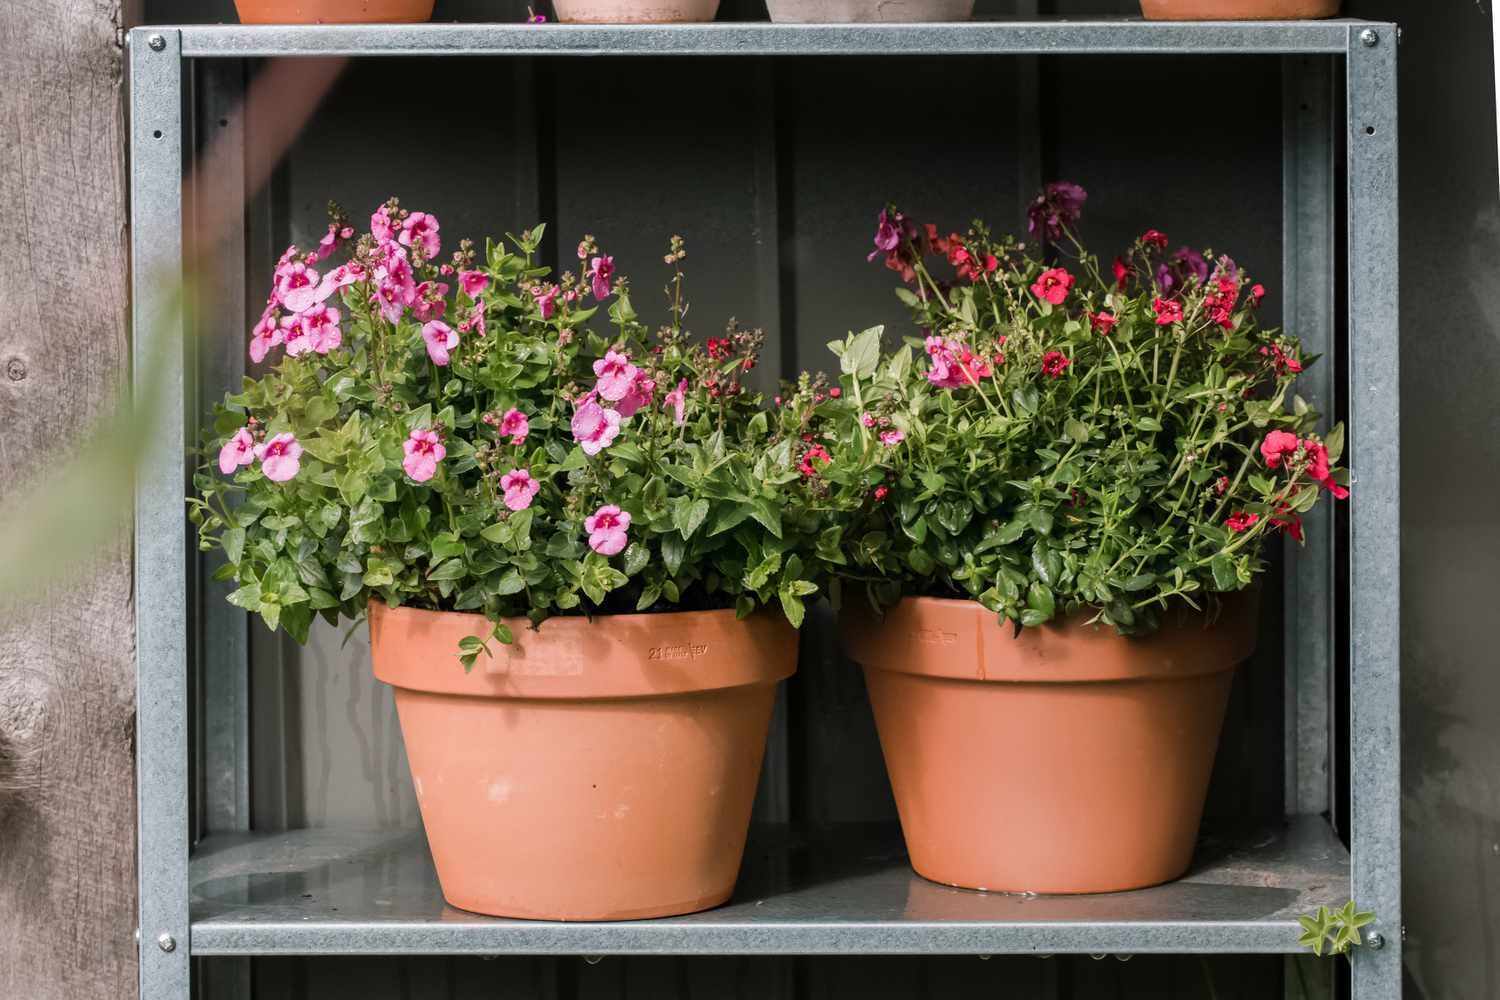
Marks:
<point>955,639</point>
<point>577,658</point>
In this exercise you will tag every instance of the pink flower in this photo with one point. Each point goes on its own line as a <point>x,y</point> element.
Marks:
<point>396,288</point>
<point>280,458</point>
<point>520,489</point>
<point>892,437</point>
<point>1168,311</point>
<point>473,282</point>
<point>1054,363</point>
<point>237,451</point>
<point>594,427</point>
<point>616,375</point>
<point>424,450</point>
<point>546,299</point>
<point>607,528</point>
<point>867,419</point>
<point>441,339</point>
<point>329,241</point>
<point>515,425</point>
<point>1103,322</point>
<point>677,400</point>
<point>266,335</point>
<point>1241,522</point>
<point>1053,286</point>
<point>601,269</point>
<point>476,319</point>
<point>296,286</point>
<point>1277,446</point>
<point>380,225</point>
<point>642,393</point>
<point>322,325</point>
<point>421,230</point>
<point>340,277</point>
<point>294,332</point>
<point>430,301</point>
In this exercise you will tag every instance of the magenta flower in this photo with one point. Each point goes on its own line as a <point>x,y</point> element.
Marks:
<point>294,333</point>
<point>430,301</point>
<point>266,335</point>
<point>607,530</point>
<point>1053,286</point>
<point>515,426</point>
<point>296,285</point>
<point>329,241</point>
<point>642,393</point>
<point>476,319</point>
<point>340,277</point>
<point>322,325</point>
<point>1058,206</point>
<point>867,419</point>
<point>441,339</point>
<point>280,457</point>
<point>601,269</point>
<point>473,283</point>
<point>237,451</point>
<point>546,300</point>
<point>892,437</point>
<point>424,450</point>
<point>677,400</point>
<point>396,288</point>
<point>520,489</point>
<point>594,427</point>
<point>380,225</point>
<point>421,230</point>
<point>616,375</point>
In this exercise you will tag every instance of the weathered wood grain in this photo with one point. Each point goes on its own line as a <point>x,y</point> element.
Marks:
<point>67,815</point>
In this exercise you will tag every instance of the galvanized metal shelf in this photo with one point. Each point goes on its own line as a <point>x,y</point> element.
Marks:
<point>333,892</point>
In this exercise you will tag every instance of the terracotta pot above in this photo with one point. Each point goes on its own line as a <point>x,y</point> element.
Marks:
<point>333,11</point>
<point>1064,760</point>
<point>850,11</point>
<point>590,771</point>
<point>1238,10</point>
<point>635,11</point>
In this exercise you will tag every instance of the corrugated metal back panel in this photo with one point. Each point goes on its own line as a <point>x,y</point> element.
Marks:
<point>774,172</point>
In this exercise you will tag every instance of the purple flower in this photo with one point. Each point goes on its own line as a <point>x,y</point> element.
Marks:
<point>1059,205</point>
<point>1189,263</point>
<point>887,234</point>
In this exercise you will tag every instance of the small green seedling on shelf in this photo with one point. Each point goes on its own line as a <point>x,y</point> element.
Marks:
<point>1335,933</point>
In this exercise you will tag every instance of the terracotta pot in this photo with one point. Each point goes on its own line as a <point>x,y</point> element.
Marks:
<point>845,11</point>
<point>1063,760</point>
<point>1238,10</point>
<point>333,11</point>
<point>590,771</point>
<point>634,11</point>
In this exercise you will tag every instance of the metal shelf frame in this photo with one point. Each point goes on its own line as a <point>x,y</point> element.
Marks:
<point>185,909</point>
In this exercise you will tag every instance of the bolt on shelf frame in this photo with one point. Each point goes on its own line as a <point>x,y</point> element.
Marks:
<point>1311,51</point>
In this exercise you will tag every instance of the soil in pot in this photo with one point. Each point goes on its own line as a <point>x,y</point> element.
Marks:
<point>635,11</point>
<point>589,771</point>
<point>848,11</point>
<point>1067,759</point>
<point>333,11</point>
<point>1238,10</point>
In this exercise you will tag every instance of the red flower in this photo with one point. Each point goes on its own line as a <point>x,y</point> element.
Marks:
<point>1257,293</point>
<point>1103,322</point>
<point>1283,362</point>
<point>817,453</point>
<point>1317,468</point>
<point>1156,238</point>
<point>1054,363</point>
<point>1243,521</point>
<point>1278,445</point>
<point>880,492</point>
<point>1168,311</point>
<point>1053,286</point>
<point>835,392</point>
<point>1288,521</point>
<point>1222,486</point>
<point>1121,273</point>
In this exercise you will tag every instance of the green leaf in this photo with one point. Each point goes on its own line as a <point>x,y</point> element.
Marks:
<point>500,533</point>
<point>247,597</point>
<point>233,542</point>
<point>503,634</point>
<point>688,515</point>
<point>1148,424</point>
<point>1334,442</point>
<point>637,556</point>
<point>862,355</point>
<point>511,583</point>
<point>729,516</point>
<point>673,549</point>
<point>1225,577</point>
<point>446,546</point>
<point>1040,520</point>
<point>793,606</point>
<point>1076,430</point>
<point>768,517</point>
<point>1039,599</point>
<point>1046,563</point>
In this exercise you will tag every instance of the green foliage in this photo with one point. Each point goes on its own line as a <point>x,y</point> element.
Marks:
<point>719,518</point>
<point>1334,933</point>
<point>1047,459</point>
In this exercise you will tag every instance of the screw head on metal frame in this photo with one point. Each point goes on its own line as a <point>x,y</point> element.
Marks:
<point>1370,37</point>
<point>167,943</point>
<point>157,43</point>
<point>1375,941</point>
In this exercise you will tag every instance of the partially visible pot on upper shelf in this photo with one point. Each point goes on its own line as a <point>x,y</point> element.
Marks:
<point>847,11</point>
<point>333,11</point>
<point>635,11</point>
<point>1238,10</point>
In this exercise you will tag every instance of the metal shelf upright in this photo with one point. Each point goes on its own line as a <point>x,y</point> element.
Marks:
<point>331,892</point>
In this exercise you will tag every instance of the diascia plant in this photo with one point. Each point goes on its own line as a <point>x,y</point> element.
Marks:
<point>1065,436</point>
<point>467,433</point>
